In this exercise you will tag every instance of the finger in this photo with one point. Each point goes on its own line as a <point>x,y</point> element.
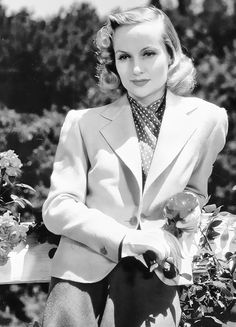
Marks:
<point>187,227</point>
<point>154,266</point>
<point>174,246</point>
<point>185,224</point>
<point>195,216</point>
<point>191,221</point>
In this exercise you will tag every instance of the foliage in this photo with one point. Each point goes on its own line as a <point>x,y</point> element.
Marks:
<point>12,231</point>
<point>22,304</point>
<point>35,138</point>
<point>209,300</point>
<point>15,299</point>
<point>51,61</point>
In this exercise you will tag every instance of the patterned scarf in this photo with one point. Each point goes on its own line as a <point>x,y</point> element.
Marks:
<point>147,122</point>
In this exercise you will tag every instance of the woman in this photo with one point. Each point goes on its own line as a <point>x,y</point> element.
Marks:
<point>115,166</point>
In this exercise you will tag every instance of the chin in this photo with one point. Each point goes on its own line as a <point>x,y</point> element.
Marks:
<point>139,94</point>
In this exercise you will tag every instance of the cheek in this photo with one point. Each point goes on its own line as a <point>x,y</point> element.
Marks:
<point>122,70</point>
<point>160,68</point>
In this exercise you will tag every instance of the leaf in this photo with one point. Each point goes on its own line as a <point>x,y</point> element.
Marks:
<point>221,304</point>
<point>183,297</point>
<point>200,298</point>
<point>14,197</point>
<point>210,208</point>
<point>27,202</point>
<point>211,235</point>
<point>25,186</point>
<point>207,319</point>
<point>210,309</point>
<point>215,223</point>
<point>18,200</point>
<point>224,213</point>
<point>215,213</point>
<point>21,201</point>
<point>222,287</point>
<point>186,276</point>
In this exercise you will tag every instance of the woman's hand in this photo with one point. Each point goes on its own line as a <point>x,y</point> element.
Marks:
<point>162,243</point>
<point>190,223</point>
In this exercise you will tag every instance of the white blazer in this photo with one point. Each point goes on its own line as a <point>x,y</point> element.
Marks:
<point>96,191</point>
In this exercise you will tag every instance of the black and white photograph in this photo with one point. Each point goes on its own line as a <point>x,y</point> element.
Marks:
<point>117,163</point>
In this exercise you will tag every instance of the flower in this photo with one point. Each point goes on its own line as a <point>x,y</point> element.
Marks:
<point>10,166</point>
<point>12,231</point>
<point>5,248</point>
<point>180,205</point>
<point>9,158</point>
<point>11,234</point>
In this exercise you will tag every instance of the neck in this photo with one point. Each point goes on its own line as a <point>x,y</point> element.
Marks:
<point>148,103</point>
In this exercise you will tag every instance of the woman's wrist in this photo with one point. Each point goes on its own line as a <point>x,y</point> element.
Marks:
<point>129,244</point>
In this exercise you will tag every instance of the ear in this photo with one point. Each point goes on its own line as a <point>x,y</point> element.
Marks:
<point>170,55</point>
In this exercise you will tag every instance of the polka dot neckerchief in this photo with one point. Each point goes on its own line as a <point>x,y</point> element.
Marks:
<point>147,122</point>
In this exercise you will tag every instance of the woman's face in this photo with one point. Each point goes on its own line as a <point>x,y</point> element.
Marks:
<point>141,60</point>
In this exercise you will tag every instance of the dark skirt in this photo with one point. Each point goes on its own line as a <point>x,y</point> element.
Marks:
<point>130,296</point>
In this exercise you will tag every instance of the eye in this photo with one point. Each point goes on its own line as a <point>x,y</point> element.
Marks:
<point>149,53</point>
<point>123,57</point>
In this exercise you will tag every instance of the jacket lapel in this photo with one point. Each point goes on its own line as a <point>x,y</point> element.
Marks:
<point>121,135</point>
<point>176,129</point>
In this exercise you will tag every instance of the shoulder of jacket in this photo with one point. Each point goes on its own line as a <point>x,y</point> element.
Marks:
<point>207,108</point>
<point>78,114</point>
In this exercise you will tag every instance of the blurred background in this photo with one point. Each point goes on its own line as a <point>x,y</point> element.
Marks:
<point>48,66</point>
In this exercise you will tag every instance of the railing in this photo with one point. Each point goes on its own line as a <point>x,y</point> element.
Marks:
<point>28,263</point>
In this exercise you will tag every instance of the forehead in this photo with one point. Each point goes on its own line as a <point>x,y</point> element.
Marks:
<point>139,35</point>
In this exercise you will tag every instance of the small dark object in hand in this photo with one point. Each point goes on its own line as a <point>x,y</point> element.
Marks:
<point>150,257</point>
<point>169,269</point>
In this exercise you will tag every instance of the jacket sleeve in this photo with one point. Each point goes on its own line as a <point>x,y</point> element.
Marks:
<point>198,183</point>
<point>65,211</point>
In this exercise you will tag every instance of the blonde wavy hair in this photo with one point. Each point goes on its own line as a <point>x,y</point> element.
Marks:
<point>181,75</point>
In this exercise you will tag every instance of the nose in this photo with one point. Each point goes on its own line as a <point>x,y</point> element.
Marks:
<point>137,68</point>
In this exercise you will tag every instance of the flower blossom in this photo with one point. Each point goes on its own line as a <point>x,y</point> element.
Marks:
<point>10,162</point>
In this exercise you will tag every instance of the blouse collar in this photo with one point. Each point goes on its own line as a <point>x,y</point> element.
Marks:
<point>154,106</point>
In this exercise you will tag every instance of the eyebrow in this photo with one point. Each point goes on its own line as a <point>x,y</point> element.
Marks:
<point>121,51</point>
<point>148,47</point>
<point>143,49</point>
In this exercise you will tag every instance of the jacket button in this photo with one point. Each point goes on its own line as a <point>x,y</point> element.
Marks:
<point>133,221</point>
<point>103,251</point>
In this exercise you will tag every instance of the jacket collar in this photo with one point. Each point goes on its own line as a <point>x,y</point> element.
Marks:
<point>176,129</point>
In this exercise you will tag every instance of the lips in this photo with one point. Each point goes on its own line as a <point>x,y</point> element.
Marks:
<point>140,82</point>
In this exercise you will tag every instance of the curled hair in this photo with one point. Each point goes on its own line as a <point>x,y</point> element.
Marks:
<point>181,74</point>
